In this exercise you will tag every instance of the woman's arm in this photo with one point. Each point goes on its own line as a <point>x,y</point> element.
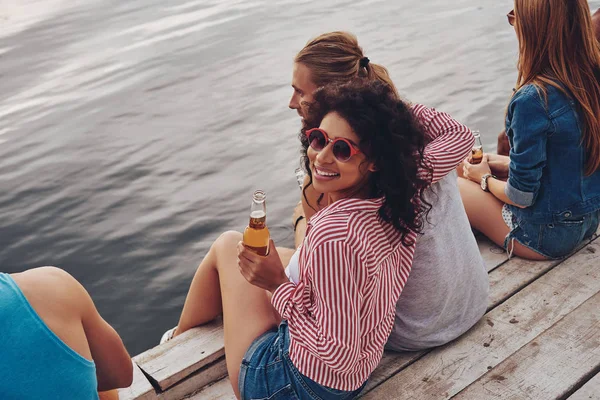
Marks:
<point>451,141</point>
<point>497,187</point>
<point>530,125</point>
<point>476,172</point>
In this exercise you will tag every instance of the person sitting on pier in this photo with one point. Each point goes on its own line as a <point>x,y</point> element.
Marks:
<point>447,290</point>
<point>54,343</point>
<point>503,145</point>
<point>353,263</point>
<point>550,203</point>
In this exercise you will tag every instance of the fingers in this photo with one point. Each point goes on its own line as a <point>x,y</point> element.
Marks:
<point>272,248</point>
<point>245,254</point>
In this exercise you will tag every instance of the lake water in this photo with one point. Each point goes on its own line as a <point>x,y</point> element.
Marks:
<point>133,133</point>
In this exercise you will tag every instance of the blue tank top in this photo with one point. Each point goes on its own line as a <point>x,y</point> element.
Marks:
<point>34,362</point>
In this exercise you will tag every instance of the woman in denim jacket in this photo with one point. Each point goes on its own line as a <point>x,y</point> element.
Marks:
<point>550,201</point>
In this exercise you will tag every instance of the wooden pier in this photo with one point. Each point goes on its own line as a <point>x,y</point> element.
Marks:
<point>540,339</point>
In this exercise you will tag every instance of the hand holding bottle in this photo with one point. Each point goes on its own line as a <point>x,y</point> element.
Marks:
<point>499,165</point>
<point>266,272</point>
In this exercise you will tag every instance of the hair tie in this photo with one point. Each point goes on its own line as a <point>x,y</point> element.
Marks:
<point>364,62</point>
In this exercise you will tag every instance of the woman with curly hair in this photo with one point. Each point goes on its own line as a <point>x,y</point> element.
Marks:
<point>448,287</point>
<point>322,337</point>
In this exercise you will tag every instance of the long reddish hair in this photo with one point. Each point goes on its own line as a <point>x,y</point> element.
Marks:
<point>557,47</point>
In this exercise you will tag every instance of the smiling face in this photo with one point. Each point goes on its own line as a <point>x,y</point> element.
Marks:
<point>303,88</point>
<point>339,179</point>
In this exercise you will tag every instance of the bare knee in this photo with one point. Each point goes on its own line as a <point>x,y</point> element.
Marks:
<point>226,243</point>
<point>229,237</point>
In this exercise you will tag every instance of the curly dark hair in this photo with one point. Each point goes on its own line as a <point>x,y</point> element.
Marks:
<point>390,137</point>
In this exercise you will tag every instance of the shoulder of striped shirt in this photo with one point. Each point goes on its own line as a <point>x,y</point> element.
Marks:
<point>340,225</point>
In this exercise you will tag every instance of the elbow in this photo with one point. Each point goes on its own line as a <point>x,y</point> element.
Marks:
<point>126,377</point>
<point>120,376</point>
<point>519,198</point>
<point>116,371</point>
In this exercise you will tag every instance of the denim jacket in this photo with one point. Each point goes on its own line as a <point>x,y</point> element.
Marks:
<point>547,158</point>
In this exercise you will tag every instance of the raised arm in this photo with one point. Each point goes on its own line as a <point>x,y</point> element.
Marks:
<point>451,141</point>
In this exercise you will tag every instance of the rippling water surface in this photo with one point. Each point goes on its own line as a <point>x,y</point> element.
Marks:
<point>133,133</point>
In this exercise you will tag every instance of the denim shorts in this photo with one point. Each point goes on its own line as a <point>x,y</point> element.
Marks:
<point>267,373</point>
<point>556,240</point>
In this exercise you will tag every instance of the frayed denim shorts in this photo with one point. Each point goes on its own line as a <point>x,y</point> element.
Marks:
<point>267,373</point>
<point>556,240</point>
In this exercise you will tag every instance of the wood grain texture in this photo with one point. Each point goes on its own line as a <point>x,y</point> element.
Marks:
<point>220,390</point>
<point>390,364</point>
<point>140,389</point>
<point>551,365</point>
<point>589,391</point>
<point>517,273</point>
<point>493,255</point>
<point>182,356</point>
<point>194,383</point>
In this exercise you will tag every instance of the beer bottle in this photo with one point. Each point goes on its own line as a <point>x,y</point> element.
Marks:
<point>256,235</point>
<point>477,152</point>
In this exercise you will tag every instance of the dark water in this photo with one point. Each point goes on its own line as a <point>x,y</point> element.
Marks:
<point>133,133</point>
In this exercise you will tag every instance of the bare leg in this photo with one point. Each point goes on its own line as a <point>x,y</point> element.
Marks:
<point>485,214</point>
<point>219,286</point>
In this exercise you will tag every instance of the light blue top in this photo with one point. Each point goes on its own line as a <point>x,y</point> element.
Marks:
<point>34,362</point>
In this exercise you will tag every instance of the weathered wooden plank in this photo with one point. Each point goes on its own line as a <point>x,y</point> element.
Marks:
<point>140,389</point>
<point>551,365</point>
<point>444,372</point>
<point>589,391</point>
<point>517,273</point>
<point>493,255</point>
<point>182,356</point>
<point>513,276</point>
<point>193,383</point>
<point>220,390</point>
<point>390,364</point>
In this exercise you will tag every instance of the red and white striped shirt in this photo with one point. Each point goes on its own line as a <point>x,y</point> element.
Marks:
<point>353,267</point>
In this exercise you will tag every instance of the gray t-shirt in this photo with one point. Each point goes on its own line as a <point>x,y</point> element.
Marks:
<point>447,289</point>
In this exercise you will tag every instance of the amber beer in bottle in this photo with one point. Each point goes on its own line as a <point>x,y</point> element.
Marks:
<point>477,152</point>
<point>256,235</point>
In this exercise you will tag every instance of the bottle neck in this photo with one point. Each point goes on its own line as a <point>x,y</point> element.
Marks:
<point>258,215</point>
